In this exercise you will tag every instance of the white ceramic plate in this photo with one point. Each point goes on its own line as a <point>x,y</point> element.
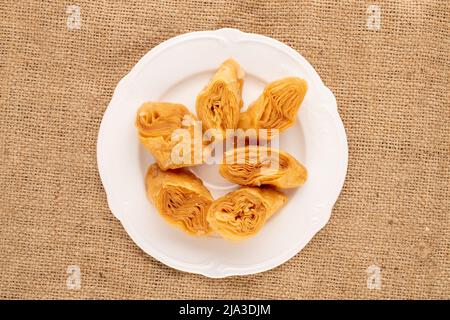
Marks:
<point>175,71</point>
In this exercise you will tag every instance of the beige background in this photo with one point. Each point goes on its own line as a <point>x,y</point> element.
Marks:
<point>392,88</point>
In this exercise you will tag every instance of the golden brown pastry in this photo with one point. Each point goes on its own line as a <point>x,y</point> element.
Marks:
<point>259,165</point>
<point>276,107</point>
<point>242,213</point>
<point>180,197</point>
<point>218,104</point>
<point>156,122</point>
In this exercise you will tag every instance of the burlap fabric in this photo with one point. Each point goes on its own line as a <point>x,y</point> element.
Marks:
<point>392,87</point>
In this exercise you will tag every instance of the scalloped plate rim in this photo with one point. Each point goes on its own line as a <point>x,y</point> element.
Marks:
<point>211,270</point>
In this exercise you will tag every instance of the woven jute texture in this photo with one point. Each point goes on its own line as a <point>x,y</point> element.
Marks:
<point>391,79</point>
